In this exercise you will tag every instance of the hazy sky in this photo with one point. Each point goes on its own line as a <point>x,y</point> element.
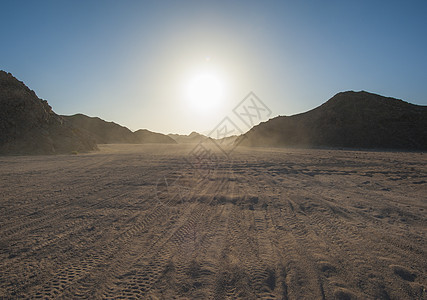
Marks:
<point>145,64</point>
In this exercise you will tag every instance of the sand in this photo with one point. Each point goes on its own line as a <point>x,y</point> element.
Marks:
<point>139,221</point>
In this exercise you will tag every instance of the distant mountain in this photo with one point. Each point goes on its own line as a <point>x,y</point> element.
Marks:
<point>192,138</point>
<point>146,136</point>
<point>28,125</point>
<point>349,119</point>
<point>102,131</point>
<point>112,133</point>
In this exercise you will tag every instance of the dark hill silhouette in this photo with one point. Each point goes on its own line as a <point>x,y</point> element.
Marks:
<point>102,131</point>
<point>349,119</point>
<point>147,136</point>
<point>195,138</point>
<point>112,133</point>
<point>28,125</point>
<point>192,138</point>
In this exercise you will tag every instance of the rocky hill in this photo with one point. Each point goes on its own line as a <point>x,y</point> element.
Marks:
<point>28,125</point>
<point>102,131</point>
<point>112,133</point>
<point>146,136</point>
<point>192,138</point>
<point>349,119</point>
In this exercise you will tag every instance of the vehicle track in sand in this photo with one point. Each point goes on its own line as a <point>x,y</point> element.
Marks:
<point>139,222</point>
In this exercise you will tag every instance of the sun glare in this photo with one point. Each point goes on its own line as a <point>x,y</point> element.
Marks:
<point>205,92</point>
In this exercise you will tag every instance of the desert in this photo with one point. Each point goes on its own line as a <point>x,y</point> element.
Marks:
<point>141,222</point>
<point>216,150</point>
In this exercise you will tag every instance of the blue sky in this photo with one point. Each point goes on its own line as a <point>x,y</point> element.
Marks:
<point>130,61</point>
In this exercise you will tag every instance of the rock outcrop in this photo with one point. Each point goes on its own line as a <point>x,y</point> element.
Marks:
<point>28,125</point>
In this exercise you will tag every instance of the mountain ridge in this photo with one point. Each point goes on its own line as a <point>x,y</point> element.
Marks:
<point>28,125</point>
<point>192,138</point>
<point>350,120</point>
<point>105,132</point>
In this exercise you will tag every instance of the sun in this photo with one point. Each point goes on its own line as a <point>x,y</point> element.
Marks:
<point>205,92</point>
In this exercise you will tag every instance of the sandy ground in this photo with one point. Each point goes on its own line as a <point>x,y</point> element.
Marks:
<point>140,221</point>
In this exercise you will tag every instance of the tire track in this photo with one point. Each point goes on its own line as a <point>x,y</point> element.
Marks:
<point>82,287</point>
<point>149,268</point>
<point>33,207</point>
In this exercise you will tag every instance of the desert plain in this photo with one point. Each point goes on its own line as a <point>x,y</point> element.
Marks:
<point>143,222</point>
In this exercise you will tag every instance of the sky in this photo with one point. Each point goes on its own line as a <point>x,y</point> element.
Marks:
<point>182,66</point>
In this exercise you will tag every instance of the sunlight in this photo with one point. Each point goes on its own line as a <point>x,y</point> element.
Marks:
<point>205,92</point>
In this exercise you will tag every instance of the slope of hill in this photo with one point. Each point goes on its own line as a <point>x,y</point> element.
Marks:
<point>349,119</point>
<point>103,132</point>
<point>229,140</point>
<point>112,133</point>
<point>192,138</point>
<point>28,125</point>
<point>145,136</point>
